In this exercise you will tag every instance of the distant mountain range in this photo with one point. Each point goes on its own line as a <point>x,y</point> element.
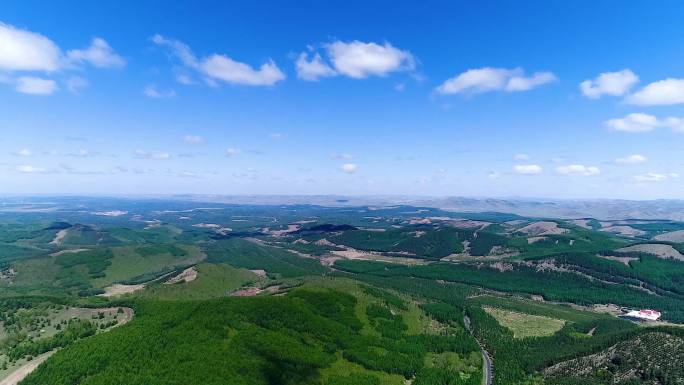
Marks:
<point>602,209</point>
<point>608,209</point>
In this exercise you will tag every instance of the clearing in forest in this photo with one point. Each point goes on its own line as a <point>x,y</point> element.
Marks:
<point>525,325</point>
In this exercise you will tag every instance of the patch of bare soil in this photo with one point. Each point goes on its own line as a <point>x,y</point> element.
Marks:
<point>531,240</point>
<point>259,273</point>
<point>624,230</point>
<point>187,275</point>
<point>350,253</point>
<point>672,236</point>
<point>120,289</point>
<point>279,233</point>
<point>625,260</point>
<point>59,237</point>
<point>584,223</point>
<point>253,291</point>
<point>468,224</point>
<point>656,249</point>
<point>324,242</point>
<point>68,251</point>
<point>542,228</point>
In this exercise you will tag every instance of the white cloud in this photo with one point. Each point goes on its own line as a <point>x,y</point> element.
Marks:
<point>663,92</point>
<point>28,169</point>
<point>494,175</point>
<point>360,60</point>
<point>76,83</point>
<point>521,157</point>
<point>184,79</point>
<point>313,69</point>
<point>494,79</point>
<point>609,83</point>
<point>527,169</point>
<point>178,49</point>
<point>654,177</point>
<point>193,139</point>
<point>25,51</point>
<point>631,160</point>
<point>640,122</point>
<point>276,135</point>
<point>522,83</point>
<point>152,92</point>
<point>23,152</point>
<point>22,50</point>
<point>224,68</point>
<point>349,168</point>
<point>221,67</point>
<point>98,54</point>
<point>634,122</point>
<point>36,86</point>
<point>233,151</point>
<point>578,170</point>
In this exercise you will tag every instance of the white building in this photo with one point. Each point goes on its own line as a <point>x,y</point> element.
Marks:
<point>644,314</point>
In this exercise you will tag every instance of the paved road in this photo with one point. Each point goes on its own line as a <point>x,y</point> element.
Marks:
<point>488,374</point>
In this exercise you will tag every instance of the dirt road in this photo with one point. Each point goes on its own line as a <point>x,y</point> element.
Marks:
<point>16,376</point>
<point>19,374</point>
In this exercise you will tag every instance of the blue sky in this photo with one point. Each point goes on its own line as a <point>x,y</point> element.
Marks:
<point>532,99</point>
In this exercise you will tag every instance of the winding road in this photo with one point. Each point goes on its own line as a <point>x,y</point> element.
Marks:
<point>488,374</point>
<point>20,373</point>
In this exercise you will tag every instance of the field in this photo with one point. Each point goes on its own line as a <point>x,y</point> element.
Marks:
<point>526,325</point>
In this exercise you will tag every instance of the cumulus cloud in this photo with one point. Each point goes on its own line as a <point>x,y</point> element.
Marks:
<point>640,122</point>
<point>98,54</point>
<point>22,50</point>
<point>521,157</point>
<point>609,83</point>
<point>489,79</point>
<point>654,177</point>
<point>36,86</point>
<point>314,68</point>
<point>349,168</point>
<point>152,91</point>
<point>355,59</point>
<point>221,67</point>
<point>25,51</point>
<point>631,160</point>
<point>193,139</point>
<point>663,92</point>
<point>359,60</point>
<point>578,170</point>
<point>527,169</point>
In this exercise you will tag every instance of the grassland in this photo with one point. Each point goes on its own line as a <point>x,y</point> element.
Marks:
<point>525,325</point>
<point>213,281</point>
